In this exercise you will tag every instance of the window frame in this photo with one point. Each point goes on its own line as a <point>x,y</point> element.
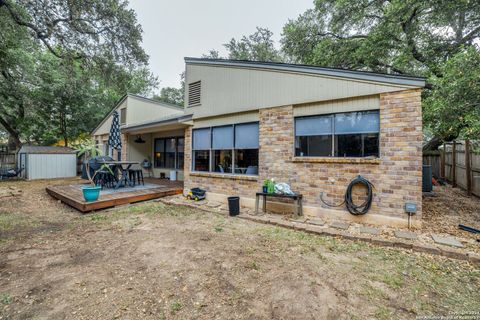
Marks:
<point>211,150</point>
<point>333,135</point>
<point>164,148</point>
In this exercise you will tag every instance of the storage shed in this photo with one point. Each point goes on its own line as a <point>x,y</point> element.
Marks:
<point>40,162</point>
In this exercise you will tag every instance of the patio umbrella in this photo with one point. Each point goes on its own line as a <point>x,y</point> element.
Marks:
<point>114,140</point>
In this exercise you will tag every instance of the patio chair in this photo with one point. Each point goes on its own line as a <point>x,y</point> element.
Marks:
<point>105,178</point>
<point>9,173</point>
<point>136,176</point>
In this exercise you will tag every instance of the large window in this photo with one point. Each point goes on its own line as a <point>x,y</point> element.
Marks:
<point>353,134</point>
<point>226,149</point>
<point>168,153</point>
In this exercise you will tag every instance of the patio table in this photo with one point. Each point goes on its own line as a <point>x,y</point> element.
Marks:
<point>124,166</point>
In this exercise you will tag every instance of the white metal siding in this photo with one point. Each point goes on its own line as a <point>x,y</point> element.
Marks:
<point>51,166</point>
<point>231,90</point>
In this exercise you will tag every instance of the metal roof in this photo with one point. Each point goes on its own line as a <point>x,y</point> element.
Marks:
<point>136,96</point>
<point>45,150</point>
<point>172,119</point>
<point>308,69</point>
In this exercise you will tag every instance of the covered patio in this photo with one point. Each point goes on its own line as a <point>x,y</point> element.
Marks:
<point>153,189</point>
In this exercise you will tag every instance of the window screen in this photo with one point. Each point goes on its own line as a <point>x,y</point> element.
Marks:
<point>222,138</point>
<point>313,126</point>
<point>201,139</point>
<point>357,122</point>
<point>246,136</point>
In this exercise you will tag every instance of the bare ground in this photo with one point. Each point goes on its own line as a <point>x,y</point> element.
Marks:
<point>448,208</point>
<point>157,261</point>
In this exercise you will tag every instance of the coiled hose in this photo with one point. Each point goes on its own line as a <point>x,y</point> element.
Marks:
<point>348,201</point>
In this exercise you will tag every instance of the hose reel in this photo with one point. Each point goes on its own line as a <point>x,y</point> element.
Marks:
<point>348,200</point>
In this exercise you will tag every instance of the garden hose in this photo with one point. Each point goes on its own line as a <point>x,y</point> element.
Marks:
<point>348,201</point>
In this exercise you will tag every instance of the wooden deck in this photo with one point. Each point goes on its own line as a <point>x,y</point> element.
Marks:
<point>154,188</point>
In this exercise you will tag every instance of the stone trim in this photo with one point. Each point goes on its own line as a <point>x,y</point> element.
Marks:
<point>336,160</point>
<point>401,244</point>
<point>224,176</point>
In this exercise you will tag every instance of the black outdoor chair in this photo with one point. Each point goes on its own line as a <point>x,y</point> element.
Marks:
<point>136,175</point>
<point>103,178</point>
<point>10,173</point>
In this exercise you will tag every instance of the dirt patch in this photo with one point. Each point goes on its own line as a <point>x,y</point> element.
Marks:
<point>158,261</point>
<point>450,207</point>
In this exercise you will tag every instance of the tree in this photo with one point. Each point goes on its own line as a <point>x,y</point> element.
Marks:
<point>404,37</point>
<point>64,63</point>
<point>411,36</point>
<point>173,95</point>
<point>453,108</point>
<point>258,46</point>
<point>80,29</point>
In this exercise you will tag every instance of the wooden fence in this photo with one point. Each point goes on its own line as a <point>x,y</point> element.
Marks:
<point>7,159</point>
<point>458,164</point>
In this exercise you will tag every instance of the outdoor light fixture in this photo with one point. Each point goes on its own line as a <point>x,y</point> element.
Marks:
<point>139,139</point>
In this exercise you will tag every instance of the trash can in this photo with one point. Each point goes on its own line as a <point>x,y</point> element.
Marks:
<point>234,206</point>
<point>427,178</point>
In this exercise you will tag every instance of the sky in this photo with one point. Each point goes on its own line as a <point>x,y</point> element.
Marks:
<point>175,29</point>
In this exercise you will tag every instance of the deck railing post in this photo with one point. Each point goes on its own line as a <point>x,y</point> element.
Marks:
<point>468,167</point>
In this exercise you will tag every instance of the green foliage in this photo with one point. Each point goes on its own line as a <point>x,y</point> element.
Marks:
<point>171,95</point>
<point>6,299</point>
<point>453,108</point>
<point>258,46</point>
<point>87,148</point>
<point>175,307</point>
<point>435,39</point>
<point>64,64</point>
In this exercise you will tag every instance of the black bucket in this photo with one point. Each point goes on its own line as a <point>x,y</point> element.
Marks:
<point>234,206</point>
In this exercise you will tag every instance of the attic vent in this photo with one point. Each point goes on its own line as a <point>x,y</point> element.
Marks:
<point>194,91</point>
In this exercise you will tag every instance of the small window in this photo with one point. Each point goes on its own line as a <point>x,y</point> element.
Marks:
<point>123,116</point>
<point>194,93</point>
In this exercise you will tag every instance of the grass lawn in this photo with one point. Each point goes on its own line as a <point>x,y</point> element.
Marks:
<point>156,261</point>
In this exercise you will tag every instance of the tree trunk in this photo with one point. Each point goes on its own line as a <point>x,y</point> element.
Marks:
<point>13,135</point>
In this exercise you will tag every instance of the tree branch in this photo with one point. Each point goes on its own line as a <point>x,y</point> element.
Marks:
<point>331,34</point>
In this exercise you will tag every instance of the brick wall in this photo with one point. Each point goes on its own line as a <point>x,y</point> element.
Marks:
<point>396,175</point>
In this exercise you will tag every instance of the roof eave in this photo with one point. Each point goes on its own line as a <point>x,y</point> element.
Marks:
<point>398,80</point>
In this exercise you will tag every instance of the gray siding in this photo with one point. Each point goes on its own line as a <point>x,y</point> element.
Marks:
<point>228,90</point>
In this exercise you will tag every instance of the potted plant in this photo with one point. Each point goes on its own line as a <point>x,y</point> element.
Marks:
<point>271,186</point>
<point>88,150</point>
<point>265,186</point>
